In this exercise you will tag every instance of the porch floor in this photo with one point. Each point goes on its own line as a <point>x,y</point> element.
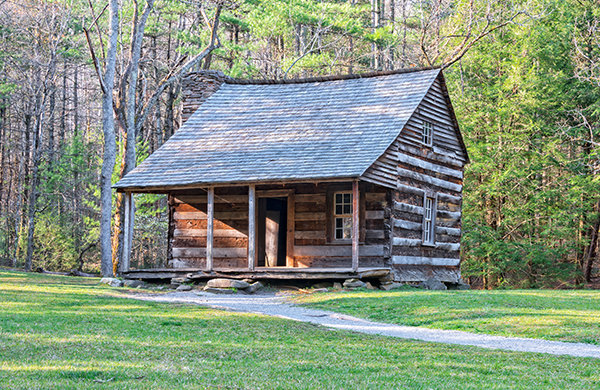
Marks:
<point>283,273</point>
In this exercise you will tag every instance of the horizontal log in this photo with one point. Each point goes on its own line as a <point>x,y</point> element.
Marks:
<point>195,199</point>
<point>222,215</point>
<point>444,158</point>
<point>399,241</point>
<point>217,252</point>
<point>372,176</point>
<point>309,234</point>
<point>449,198</point>
<point>374,214</point>
<point>451,215</point>
<point>410,190</point>
<point>375,234</point>
<point>309,207</point>
<point>408,208</point>
<point>448,246</point>
<point>310,217</point>
<point>416,162</point>
<point>449,231</point>
<point>274,193</point>
<point>299,198</point>
<point>438,149</point>
<point>338,250</point>
<point>202,233</point>
<point>429,180</point>
<point>419,260</point>
<point>419,273</point>
<point>408,225</point>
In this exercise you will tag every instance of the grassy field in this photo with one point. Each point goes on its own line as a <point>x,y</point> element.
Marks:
<point>562,315</point>
<point>63,332</point>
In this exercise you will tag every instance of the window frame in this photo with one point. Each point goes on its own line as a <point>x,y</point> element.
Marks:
<point>343,215</point>
<point>427,139</point>
<point>432,219</point>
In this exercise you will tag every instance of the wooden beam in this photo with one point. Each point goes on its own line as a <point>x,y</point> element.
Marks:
<point>355,224</point>
<point>421,260</point>
<point>337,250</point>
<point>260,273</point>
<point>251,226</point>
<point>125,257</point>
<point>274,193</point>
<point>210,210</point>
<point>291,222</point>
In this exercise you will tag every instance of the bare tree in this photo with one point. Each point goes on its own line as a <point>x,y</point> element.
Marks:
<point>106,77</point>
<point>133,108</point>
<point>448,30</point>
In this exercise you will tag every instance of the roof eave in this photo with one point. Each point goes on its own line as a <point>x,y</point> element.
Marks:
<point>198,185</point>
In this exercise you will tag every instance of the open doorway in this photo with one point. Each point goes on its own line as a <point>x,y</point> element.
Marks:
<point>272,231</point>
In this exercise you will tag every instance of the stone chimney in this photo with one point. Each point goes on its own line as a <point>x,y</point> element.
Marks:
<point>196,87</point>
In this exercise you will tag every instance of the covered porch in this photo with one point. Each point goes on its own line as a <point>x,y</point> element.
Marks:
<point>233,231</point>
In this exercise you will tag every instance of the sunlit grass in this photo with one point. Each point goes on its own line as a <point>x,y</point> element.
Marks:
<point>71,333</point>
<point>549,314</point>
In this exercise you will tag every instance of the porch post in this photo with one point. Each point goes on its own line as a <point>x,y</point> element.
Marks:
<point>210,210</point>
<point>355,225</point>
<point>127,228</point>
<point>251,226</point>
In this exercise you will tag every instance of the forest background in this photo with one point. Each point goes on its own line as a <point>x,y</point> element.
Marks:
<point>524,79</point>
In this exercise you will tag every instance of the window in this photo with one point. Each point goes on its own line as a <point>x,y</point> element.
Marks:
<point>342,215</point>
<point>429,220</point>
<point>427,136</point>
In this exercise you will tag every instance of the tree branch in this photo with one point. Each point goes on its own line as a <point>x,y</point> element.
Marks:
<point>174,76</point>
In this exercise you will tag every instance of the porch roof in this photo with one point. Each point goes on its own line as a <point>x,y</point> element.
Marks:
<point>291,131</point>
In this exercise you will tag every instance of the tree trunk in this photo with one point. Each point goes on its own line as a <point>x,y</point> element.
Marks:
<point>3,177</point>
<point>33,192</point>
<point>137,35</point>
<point>110,147</point>
<point>51,128</point>
<point>591,251</point>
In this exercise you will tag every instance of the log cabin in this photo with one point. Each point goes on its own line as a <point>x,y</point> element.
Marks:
<point>318,178</point>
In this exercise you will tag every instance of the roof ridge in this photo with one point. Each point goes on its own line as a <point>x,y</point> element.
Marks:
<point>233,80</point>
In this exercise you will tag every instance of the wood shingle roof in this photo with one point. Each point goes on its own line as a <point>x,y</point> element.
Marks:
<point>310,130</point>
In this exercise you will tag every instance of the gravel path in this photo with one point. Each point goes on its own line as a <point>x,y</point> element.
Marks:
<point>278,306</point>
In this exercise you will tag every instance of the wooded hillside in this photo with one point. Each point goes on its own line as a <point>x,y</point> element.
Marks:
<point>523,75</point>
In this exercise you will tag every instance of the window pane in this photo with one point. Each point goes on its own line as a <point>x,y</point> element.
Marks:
<point>428,220</point>
<point>347,227</point>
<point>347,209</point>
<point>338,198</point>
<point>338,222</point>
<point>347,234</point>
<point>339,234</point>
<point>427,133</point>
<point>338,209</point>
<point>347,198</point>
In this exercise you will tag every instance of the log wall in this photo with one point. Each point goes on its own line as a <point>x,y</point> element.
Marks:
<point>435,170</point>
<point>189,224</point>
<point>313,227</point>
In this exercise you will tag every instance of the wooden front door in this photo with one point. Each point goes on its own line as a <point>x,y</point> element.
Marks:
<point>272,231</point>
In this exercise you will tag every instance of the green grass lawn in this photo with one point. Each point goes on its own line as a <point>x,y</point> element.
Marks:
<point>572,315</point>
<point>63,332</point>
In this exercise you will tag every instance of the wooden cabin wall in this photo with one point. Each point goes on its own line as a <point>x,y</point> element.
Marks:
<point>313,226</point>
<point>313,243</point>
<point>434,108</point>
<point>189,220</point>
<point>435,170</point>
